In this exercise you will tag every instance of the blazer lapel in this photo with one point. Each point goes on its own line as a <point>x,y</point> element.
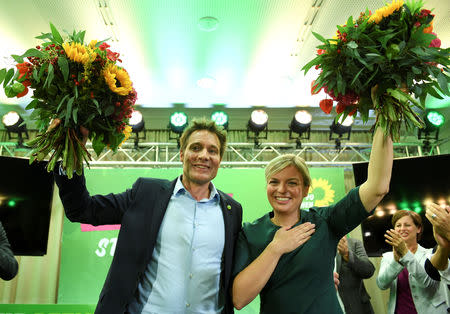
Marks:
<point>227,220</point>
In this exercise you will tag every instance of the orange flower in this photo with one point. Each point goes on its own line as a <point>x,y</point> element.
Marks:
<point>24,69</point>
<point>428,29</point>
<point>326,105</point>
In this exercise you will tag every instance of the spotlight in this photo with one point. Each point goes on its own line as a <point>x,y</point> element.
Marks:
<point>220,118</point>
<point>13,123</point>
<point>178,122</point>
<point>434,119</point>
<point>258,120</point>
<point>341,127</point>
<point>256,125</point>
<point>300,124</point>
<point>137,125</point>
<point>433,122</point>
<point>136,121</point>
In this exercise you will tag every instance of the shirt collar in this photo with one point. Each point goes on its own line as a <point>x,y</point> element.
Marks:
<point>181,190</point>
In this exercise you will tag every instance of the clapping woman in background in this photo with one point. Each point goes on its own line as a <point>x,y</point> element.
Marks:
<point>402,270</point>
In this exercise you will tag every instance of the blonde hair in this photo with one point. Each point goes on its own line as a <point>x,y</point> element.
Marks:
<point>279,163</point>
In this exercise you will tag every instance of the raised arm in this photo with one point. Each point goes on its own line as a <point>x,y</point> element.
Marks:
<point>379,172</point>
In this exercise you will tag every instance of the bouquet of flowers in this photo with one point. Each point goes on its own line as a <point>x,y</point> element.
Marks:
<point>388,61</point>
<point>73,85</point>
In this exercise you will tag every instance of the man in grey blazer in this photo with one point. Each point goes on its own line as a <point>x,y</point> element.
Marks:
<point>353,265</point>
<point>176,242</point>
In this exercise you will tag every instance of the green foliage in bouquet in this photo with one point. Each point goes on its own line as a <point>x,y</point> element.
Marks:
<point>73,85</point>
<point>388,61</point>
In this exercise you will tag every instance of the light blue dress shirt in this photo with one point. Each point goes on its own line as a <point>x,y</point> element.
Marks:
<point>183,275</point>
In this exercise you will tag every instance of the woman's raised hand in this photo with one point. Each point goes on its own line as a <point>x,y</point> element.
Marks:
<point>287,239</point>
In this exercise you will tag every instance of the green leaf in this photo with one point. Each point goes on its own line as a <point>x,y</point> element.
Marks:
<point>42,70</point>
<point>443,83</point>
<point>50,75</point>
<point>350,22</point>
<point>2,75</point>
<point>356,76</point>
<point>96,105</point>
<point>36,75</point>
<point>18,59</point>
<point>52,90</point>
<point>32,104</point>
<point>430,90</point>
<point>416,70</point>
<point>45,36</point>
<point>319,37</point>
<point>97,144</point>
<point>64,67</point>
<point>33,52</point>
<point>74,115</point>
<point>9,75</point>
<point>352,44</point>
<point>340,84</point>
<point>68,111</point>
<point>314,61</point>
<point>82,36</point>
<point>61,102</point>
<point>109,110</point>
<point>56,35</point>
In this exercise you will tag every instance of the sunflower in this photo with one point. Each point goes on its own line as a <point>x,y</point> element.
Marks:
<point>327,192</point>
<point>386,11</point>
<point>79,53</point>
<point>111,73</point>
<point>127,132</point>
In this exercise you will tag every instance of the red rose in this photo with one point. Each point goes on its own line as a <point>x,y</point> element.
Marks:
<point>103,46</point>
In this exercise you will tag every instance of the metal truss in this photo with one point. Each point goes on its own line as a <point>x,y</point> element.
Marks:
<point>166,155</point>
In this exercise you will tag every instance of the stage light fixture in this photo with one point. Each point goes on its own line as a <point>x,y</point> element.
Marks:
<point>433,122</point>
<point>137,124</point>
<point>178,122</point>
<point>341,127</point>
<point>301,125</point>
<point>13,123</point>
<point>256,125</point>
<point>258,120</point>
<point>434,119</point>
<point>220,118</point>
<point>136,121</point>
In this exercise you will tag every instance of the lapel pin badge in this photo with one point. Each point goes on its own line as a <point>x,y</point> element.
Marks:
<point>229,207</point>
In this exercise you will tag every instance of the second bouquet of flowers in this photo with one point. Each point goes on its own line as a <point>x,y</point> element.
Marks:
<point>73,85</point>
<point>388,61</point>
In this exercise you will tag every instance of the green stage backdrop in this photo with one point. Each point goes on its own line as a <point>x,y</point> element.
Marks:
<point>86,252</point>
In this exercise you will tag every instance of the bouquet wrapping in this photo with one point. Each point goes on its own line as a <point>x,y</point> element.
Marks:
<point>388,61</point>
<point>73,85</point>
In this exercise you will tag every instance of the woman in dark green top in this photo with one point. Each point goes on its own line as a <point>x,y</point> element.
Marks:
<point>287,256</point>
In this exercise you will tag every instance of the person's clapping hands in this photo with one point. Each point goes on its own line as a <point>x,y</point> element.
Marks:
<point>440,219</point>
<point>398,244</point>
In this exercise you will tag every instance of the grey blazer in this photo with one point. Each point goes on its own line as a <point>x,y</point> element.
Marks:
<point>351,274</point>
